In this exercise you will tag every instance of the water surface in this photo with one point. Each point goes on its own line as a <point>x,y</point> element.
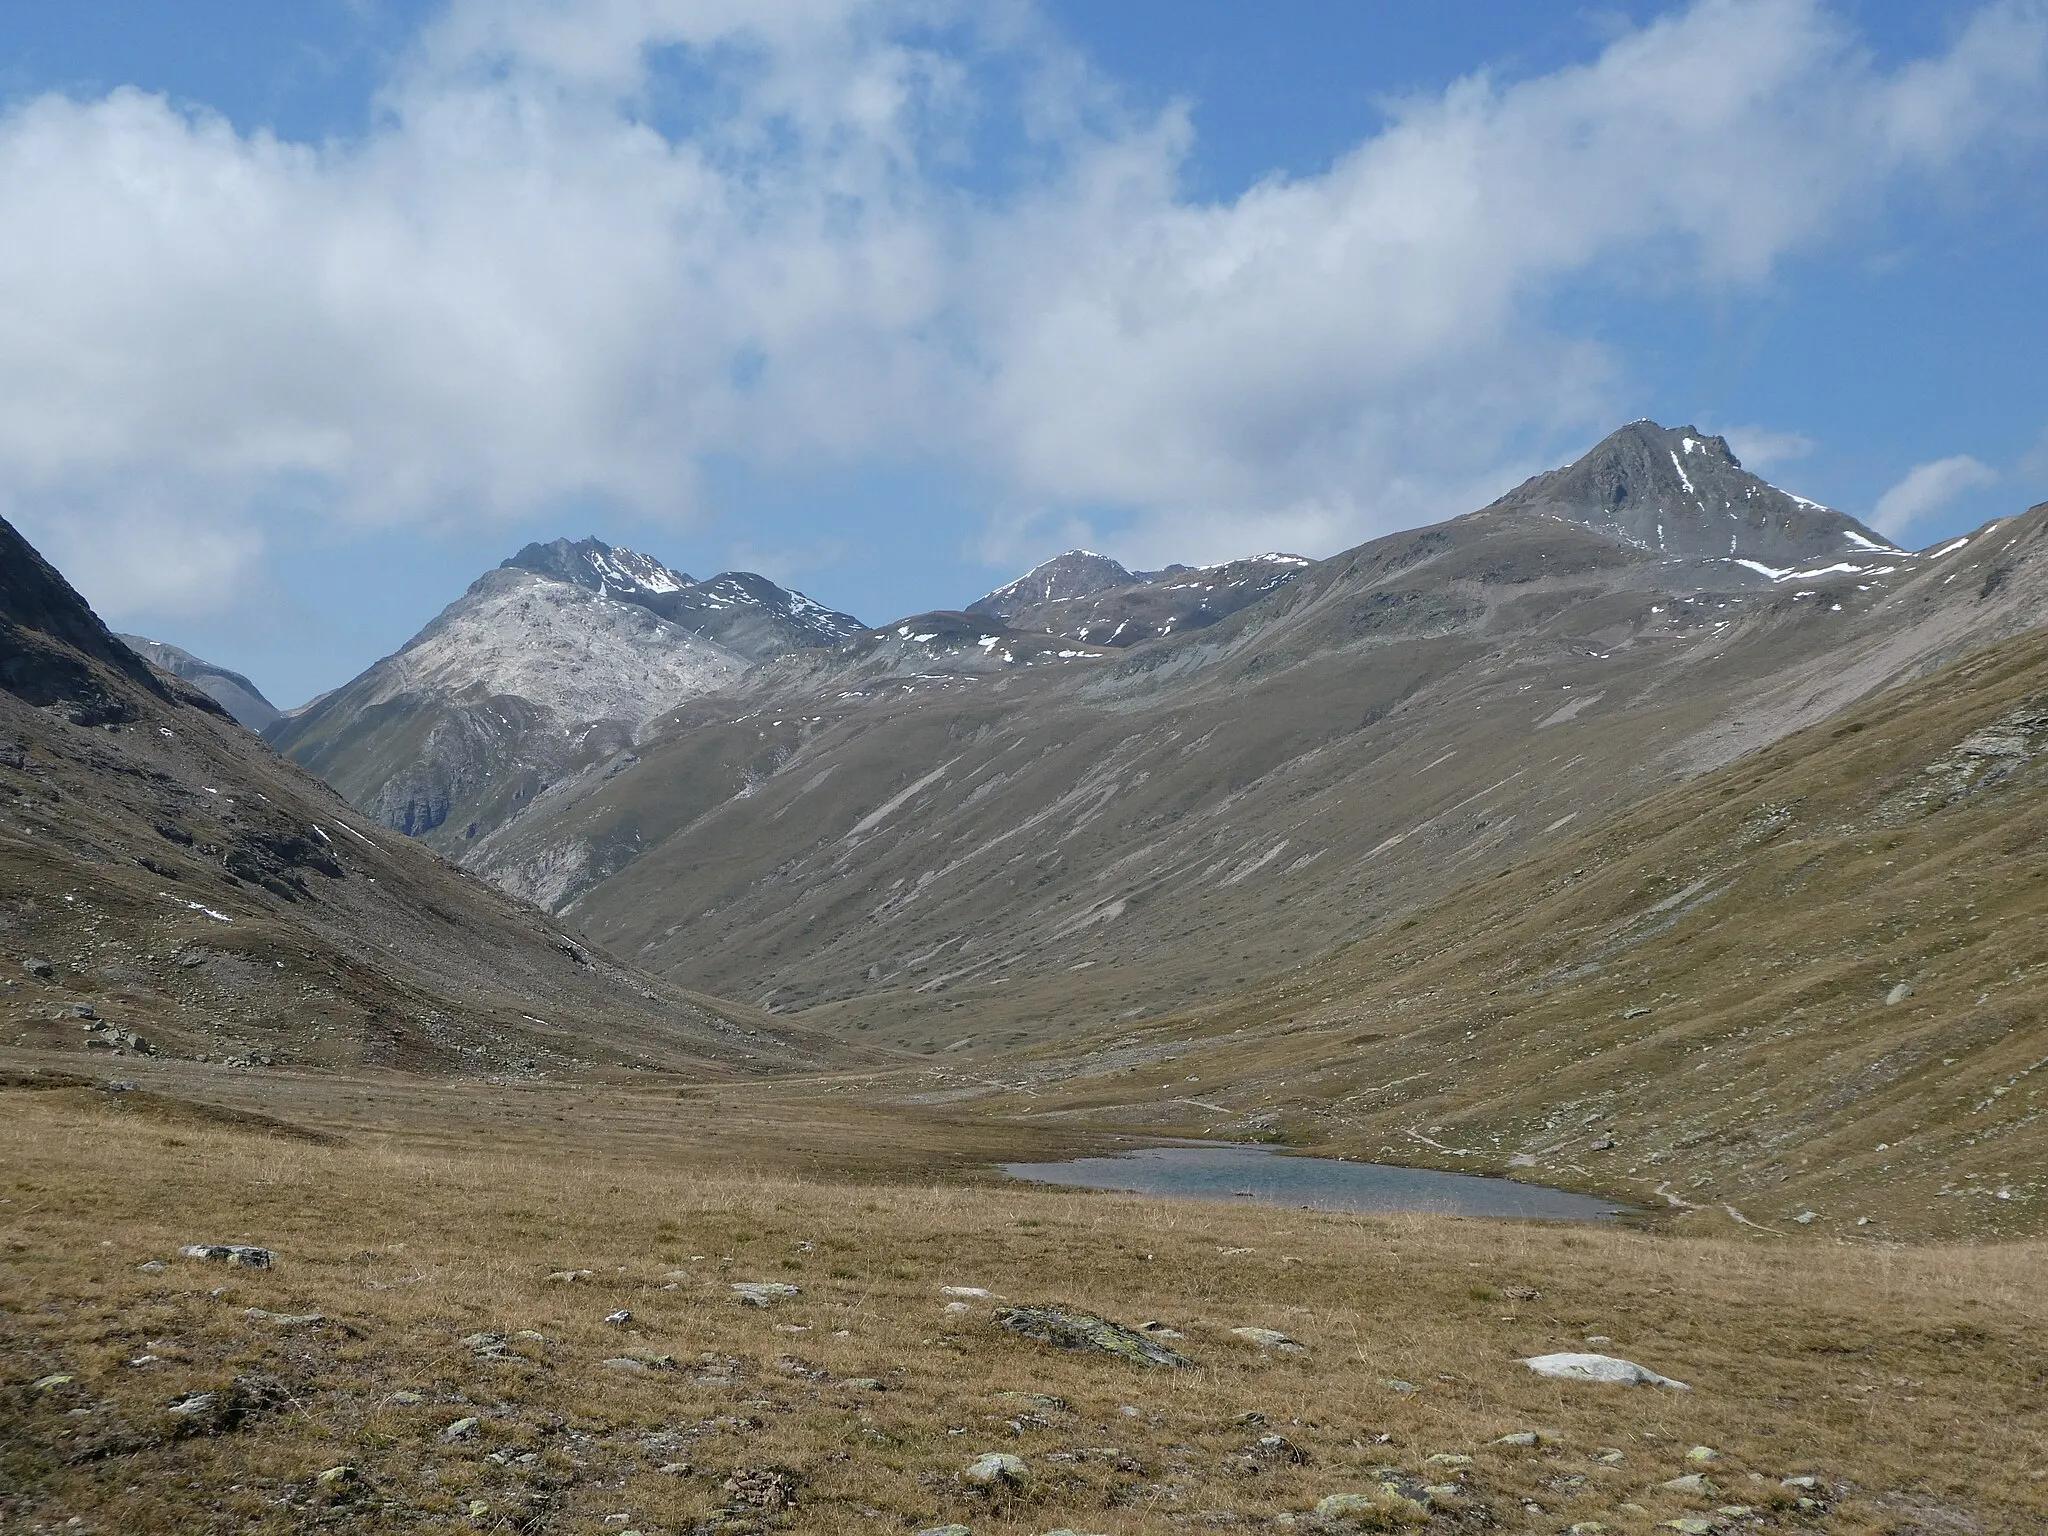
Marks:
<point>1266,1177</point>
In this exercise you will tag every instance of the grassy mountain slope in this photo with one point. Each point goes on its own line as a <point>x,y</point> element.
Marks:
<point>163,874</point>
<point>1813,981</point>
<point>944,858</point>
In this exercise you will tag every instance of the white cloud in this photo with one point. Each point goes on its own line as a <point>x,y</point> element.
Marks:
<point>1926,489</point>
<point>541,279</point>
<point>1761,449</point>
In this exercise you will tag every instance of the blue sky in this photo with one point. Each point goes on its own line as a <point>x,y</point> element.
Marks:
<point>310,313</point>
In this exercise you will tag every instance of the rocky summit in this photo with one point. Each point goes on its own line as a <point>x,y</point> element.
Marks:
<point>1681,493</point>
<point>545,668</point>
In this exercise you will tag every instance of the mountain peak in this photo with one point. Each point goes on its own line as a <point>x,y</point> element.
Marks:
<point>1682,493</point>
<point>1077,573</point>
<point>592,563</point>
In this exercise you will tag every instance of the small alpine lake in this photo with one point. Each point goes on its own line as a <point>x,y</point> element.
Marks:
<point>1268,1176</point>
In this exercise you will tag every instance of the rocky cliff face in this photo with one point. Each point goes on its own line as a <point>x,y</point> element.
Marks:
<point>547,666</point>
<point>1072,597</point>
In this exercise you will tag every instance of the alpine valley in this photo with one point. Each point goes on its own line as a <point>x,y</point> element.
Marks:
<point>582,1111</point>
<point>1016,824</point>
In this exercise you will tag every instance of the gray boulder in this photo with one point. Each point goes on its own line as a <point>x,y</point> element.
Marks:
<point>1084,1331</point>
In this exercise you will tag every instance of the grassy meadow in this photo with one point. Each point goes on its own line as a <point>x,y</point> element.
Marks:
<point>411,1292</point>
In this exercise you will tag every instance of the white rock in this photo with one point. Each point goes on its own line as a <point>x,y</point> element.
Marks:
<point>763,1293</point>
<point>1601,1368</point>
<point>995,1470</point>
<point>1269,1338</point>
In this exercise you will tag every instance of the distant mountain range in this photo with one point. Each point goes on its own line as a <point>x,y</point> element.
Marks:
<point>232,691</point>
<point>1098,792</point>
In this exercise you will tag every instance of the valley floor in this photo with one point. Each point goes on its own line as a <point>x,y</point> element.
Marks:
<point>417,1330</point>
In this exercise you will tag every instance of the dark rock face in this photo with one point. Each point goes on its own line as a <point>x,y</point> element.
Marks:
<point>53,647</point>
<point>1681,493</point>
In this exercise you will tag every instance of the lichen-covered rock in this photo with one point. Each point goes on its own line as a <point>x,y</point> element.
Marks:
<point>1387,1506</point>
<point>1084,1331</point>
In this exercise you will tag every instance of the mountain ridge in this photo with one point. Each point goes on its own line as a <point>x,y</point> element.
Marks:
<point>174,888</point>
<point>229,689</point>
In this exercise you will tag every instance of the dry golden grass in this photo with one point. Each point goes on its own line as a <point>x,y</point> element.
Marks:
<point>1908,1380</point>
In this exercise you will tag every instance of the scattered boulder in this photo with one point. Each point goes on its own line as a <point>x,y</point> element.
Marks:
<point>1084,1331</point>
<point>569,1276</point>
<point>994,1471</point>
<point>235,1255</point>
<point>461,1429</point>
<point>946,1530</point>
<point>1396,1384</point>
<point>337,1477</point>
<point>618,1319</point>
<point>965,1292</point>
<point>1397,1500</point>
<point>1271,1338</point>
<point>1898,994</point>
<point>763,1293</point>
<point>1702,1456</point>
<point>1524,1437</point>
<point>42,970</point>
<point>1600,1368</point>
<point>1694,1483</point>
